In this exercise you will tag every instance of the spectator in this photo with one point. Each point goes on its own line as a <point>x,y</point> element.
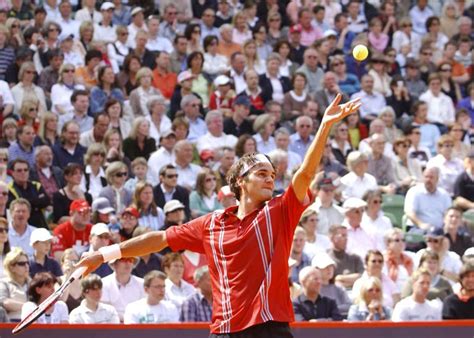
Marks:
<point>22,187</point>
<point>282,141</point>
<point>399,264</point>
<point>149,262</point>
<point>215,137</point>
<point>372,101</point>
<point>327,266</point>
<point>151,216</point>
<point>302,138</point>
<point>297,253</point>
<point>200,85</point>
<point>214,63</point>
<point>153,308</point>
<point>459,305</point>
<point>71,191</point>
<point>426,204</point>
<point>49,176</point>
<point>177,290</point>
<point>9,132</point>
<point>121,287</point>
<point>4,243</point>
<point>26,89</point>
<point>96,133</point>
<point>88,12</point>
<point>311,306</point>
<point>316,242</point>
<point>204,199</point>
<point>139,143</point>
<point>19,231</point>
<point>169,189</point>
<point>440,106</point>
<point>40,241</point>
<point>459,239</point>
<point>23,147</point>
<point>163,156</point>
<point>460,149</point>
<point>187,171</point>
<point>91,310</point>
<point>102,211</point>
<point>374,268</point>
<point>75,232</point>
<point>198,308</point>
<point>139,97</point>
<point>226,197</point>
<point>264,126</point>
<point>94,180</point>
<point>374,221</point>
<point>100,236</point>
<point>417,150</point>
<point>310,68</point>
<point>39,289</point>
<point>163,78</point>
<point>106,88</point>
<point>69,150</point>
<point>463,186</point>
<point>128,222</point>
<point>50,74</point>
<point>13,288</point>
<point>369,303</point>
<point>417,307</point>
<point>357,182</point>
<point>414,84</point>
<point>190,105</point>
<point>406,170</point>
<point>174,212</point>
<point>348,83</point>
<point>127,76</point>
<point>226,46</point>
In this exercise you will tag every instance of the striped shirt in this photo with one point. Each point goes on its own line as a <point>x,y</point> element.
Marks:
<point>196,309</point>
<point>7,55</point>
<point>248,260</point>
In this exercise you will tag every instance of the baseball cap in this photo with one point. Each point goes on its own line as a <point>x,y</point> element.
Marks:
<point>353,203</point>
<point>167,133</point>
<point>78,205</point>
<point>296,29</point>
<point>325,181</point>
<point>99,229</point>
<point>66,37</point>
<point>206,155</point>
<point>435,232</point>
<point>132,211</point>
<point>172,205</point>
<point>469,252</point>
<point>330,32</point>
<point>136,10</point>
<point>221,80</point>
<point>224,192</point>
<point>102,205</point>
<point>183,76</point>
<point>40,235</point>
<point>322,260</point>
<point>106,6</point>
<point>242,100</point>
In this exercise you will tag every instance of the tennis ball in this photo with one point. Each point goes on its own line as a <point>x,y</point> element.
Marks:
<point>360,52</point>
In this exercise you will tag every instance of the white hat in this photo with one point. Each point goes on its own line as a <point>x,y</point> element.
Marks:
<point>330,32</point>
<point>353,203</point>
<point>136,10</point>
<point>183,76</point>
<point>469,252</point>
<point>40,235</point>
<point>99,229</point>
<point>322,260</point>
<point>106,6</point>
<point>172,206</point>
<point>221,80</point>
<point>102,205</point>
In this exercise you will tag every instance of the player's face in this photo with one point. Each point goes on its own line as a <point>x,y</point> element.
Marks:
<point>260,183</point>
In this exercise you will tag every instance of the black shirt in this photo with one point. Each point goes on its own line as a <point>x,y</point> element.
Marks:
<point>464,187</point>
<point>455,308</point>
<point>322,308</point>
<point>230,127</point>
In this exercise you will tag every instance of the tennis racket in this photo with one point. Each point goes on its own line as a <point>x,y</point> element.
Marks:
<point>48,302</point>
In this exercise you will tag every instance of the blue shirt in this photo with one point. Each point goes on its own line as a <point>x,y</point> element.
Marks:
<point>196,309</point>
<point>429,136</point>
<point>99,97</point>
<point>372,104</point>
<point>17,151</point>
<point>50,265</point>
<point>62,157</point>
<point>298,145</point>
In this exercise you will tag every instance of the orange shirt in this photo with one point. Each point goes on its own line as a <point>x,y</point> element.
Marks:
<point>165,83</point>
<point>228,49</point>
<point>89,81</point>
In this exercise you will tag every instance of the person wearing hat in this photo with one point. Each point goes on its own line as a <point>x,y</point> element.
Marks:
<point>163,156</point>
<point>326,265</point>
<point>238,123</point>
<point>449,261</point>
<point>464,185</point>
<point>128,222</point>
<point>75,232</point>
<point>100,236</point>
<point>226,197</point>
<point>215,136</point>
<point>137,24</point>
<point>223,97</point>
<point>372,101</point>
<point>174,213</point>
<point>105,31</point>
<point>88,12</point>
<point>359,241</point>
<point>40,241</point>
<point>311,305</point>
<point>297,49</point>
<point>92,310</point>
<point>460,305</point>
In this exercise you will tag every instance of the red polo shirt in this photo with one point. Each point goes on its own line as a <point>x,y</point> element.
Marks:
<point>67,237</point>
<point>248,260</point>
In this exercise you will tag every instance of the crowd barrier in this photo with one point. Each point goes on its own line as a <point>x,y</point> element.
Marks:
<point>441,329</point>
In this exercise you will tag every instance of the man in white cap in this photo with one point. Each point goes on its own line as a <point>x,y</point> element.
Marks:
<point>100,236</point>
<point>137,24</point>
<point>174,213</point>
<point>40,241</point>
<point>105,31</point>
<point>359,241</point>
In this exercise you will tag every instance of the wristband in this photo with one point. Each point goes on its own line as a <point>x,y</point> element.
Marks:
<point>111,252</point>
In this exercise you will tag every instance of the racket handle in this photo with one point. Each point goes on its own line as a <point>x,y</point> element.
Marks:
<point>78,273</point>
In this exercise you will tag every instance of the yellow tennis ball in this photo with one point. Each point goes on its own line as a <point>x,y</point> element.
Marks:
<point>360,52</point>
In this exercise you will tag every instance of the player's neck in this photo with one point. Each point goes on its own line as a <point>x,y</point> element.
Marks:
<point>247,205</point>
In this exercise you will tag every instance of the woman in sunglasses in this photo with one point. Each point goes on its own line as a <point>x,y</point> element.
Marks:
<point>13,292</point>
<point>204,199</point>
<point>398,262</point>
<point>368,304</point>
<point>115,192</point>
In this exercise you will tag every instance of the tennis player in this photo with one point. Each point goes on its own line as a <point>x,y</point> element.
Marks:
<point>248,245</point>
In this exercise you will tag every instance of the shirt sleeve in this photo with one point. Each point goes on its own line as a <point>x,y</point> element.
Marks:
<point>293,208</point>
<point>188,236</point>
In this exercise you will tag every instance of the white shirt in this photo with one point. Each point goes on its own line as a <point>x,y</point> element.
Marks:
<point>6,93</point>
<point>449,171</point>
<point>264,147</point>
<point>409,310</point>
<point>157,160</point>
<point>322,244</point>
<point>359,241</point>
<point>327,216</point>
<point>61,96</point>
<point>389,288</point>
<point>132,32</point>
<point>120,297</point>
<point>59,314</point>
<point>105,314</point>
<point>74,58</point>
<point>165,125</point>
<point>440,108</point>
<point>215,64</point>
<point>69,27</point>
<point>116,59</point>
<point>197,128</point>
<point>85,15</point>
<point>22,241</point>
<point>419,17</point>
<point>159,44</point>
<point>239,81</point>
<point>95,183</point>
<point>209,141</point>
<point>377,227</point>
<point>354,186</point>
<point>177,295</point>
<point>187,175</point>
<point>140,312</point>
<point>103,33</point>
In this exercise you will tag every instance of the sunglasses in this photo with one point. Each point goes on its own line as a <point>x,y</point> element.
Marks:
<point>374,290</point>
<point>3,230</point>
<point>210,179</point>
<point>432,240</point>
<point>124,174</point>
<point>377,201</point>
<point>33,109</point>
<point>15,26</point>
<point>398,240</point>
<point>25,170</point>
<point>4,193</point>
<point>3,159</point>
<point>337,64</point>
<point>379,261</point>
<point>172,176</point>
<point>98,154</point>
<point>24,263</point>
<point>69,71</point>
<point>427,53</point>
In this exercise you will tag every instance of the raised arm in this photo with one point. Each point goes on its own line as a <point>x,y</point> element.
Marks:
<point>138,246</point>
<point>334,113</point>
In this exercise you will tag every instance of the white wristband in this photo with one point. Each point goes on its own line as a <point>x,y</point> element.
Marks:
<point>111,252</point>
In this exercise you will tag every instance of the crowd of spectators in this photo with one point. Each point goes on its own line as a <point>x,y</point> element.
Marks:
<point>123,117</point>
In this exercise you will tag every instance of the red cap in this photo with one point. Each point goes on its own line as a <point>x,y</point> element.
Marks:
<point>296,29</point>
<point>132,211</point>
<point>224,192</point>
<point>206,155</point>
<point>78,205</point>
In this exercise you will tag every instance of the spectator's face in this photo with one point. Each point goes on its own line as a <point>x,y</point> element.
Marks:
<point>242,110</point>
<point>339,239</point>
<point>250,146</point>
<point>146,196</point>
<point>175,271</point>
<point>65,9</point>
<point>168,142</point>
<point>396,243</point>
<point>20,173</point>
<point>273,66</point>
<point>453,219</point>
<point>143,129</point>
<point>305,19</point>
<point>81,218</point>
<point>446,149</point>
<point>138,19</point>
<point>42,248</point>
<point>164,60</point>
<point>432,265</point>
<point>120,177</point>
<point>355,216</point>
<point>299,241</point>
<point>94,293</point>
<point>128,222</point>
<point>311,223</point>
<point>209,17</point>
<point>81,105</point>
<point>72,134</point>
<point>252,80</point>
<point>227,160</point>
<point>20,215</point>
<point>20,268</point>
<point>108,76</point>
<point>124,266</point>
<point>170,178</point>
<point>171,14</point>
<point>175,217</point>
<point>204,284</point>
<point>421,286</point>
<point>377,145</point>
<point>367,84</point>
<point>156,290</point>
<point>312,283</point>
<point>140,171</point>
<point>238,64</point>
<point>304,128</point>
<point>99,241</point>
<point>353,9</point>
<point>27,136</point>
<point>45,158</point>
<point>311,110</point>
<point>282,141</point>
<point>153,27</point>
<point>185,153</point>
<point>467,282</point>
<point>53,32</point>
<point>102,125</point>
<point>375,265</point>
<point>330,81</point>
<point>431,180</point>
<point>311,58</point>
<point>216,126</point>
<point>182,46</point>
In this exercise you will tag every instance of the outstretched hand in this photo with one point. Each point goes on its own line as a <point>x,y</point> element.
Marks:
<point>336,112</point>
